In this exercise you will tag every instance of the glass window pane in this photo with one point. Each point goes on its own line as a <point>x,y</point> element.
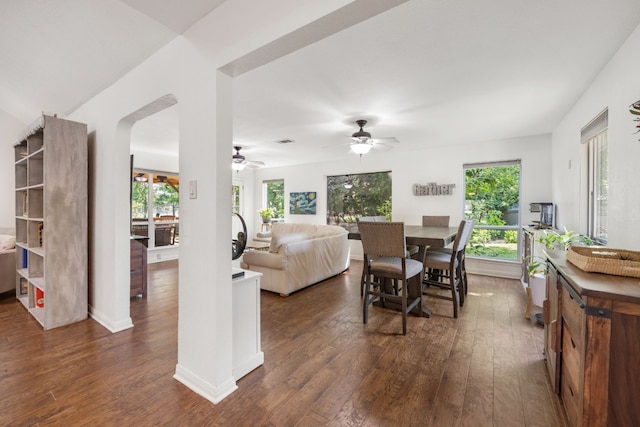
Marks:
<point>600,179</point>
<point>492,199</point>
<point>165,196</point>
<point>275,197</point>
<point>351,196</point>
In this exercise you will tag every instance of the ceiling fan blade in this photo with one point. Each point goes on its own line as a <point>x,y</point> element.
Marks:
<point>388,140</point>
<point>254,164</point>
<point>382,147</point>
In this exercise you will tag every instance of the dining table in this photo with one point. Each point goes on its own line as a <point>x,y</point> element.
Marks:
<point>423,237</point>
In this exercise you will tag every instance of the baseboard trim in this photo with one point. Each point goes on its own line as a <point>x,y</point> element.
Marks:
<point>243,368</point>
<point>202,387</point>
<point>109,324</point>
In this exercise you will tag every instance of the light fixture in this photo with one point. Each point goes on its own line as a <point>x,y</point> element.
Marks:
<point>238,166</point>
<point>140,177</point>
<point>348,185</point>
<point>361,147</point>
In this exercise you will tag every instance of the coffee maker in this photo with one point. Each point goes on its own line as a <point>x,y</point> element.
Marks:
<point>546,210</point>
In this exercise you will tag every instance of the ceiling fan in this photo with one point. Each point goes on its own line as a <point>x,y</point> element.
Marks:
<point>362,141</point>
<point>240,162</point>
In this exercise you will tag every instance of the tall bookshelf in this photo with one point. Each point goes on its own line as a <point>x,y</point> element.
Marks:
<point>51,221</point>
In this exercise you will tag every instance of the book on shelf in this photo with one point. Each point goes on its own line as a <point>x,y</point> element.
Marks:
<point>24,286</point>
<point>25,255</point>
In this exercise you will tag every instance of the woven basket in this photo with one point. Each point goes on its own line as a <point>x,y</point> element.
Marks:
<point>617,262</point>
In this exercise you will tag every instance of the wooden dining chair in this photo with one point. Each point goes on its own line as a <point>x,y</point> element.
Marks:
<point>412,250</point>
<point>444,270</point>
<point>385,259</point>
<point>435,220</point>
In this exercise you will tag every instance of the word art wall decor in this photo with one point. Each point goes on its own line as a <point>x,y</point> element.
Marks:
<point>433,189</point>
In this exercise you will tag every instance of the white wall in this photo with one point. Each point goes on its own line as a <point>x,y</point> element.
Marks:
<point>10,130</point>
<point>442,165</point>
<point>155,161</point>
<point>617,86</point>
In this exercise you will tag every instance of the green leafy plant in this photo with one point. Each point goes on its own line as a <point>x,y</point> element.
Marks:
<point>266,213</point>
<point>553,240</point>
<point>536,265</point>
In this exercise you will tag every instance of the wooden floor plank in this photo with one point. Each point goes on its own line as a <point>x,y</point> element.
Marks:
<point>323,366</point>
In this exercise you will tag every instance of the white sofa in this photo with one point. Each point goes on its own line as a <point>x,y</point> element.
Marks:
<point>299,255</point>
<point>7,263</point>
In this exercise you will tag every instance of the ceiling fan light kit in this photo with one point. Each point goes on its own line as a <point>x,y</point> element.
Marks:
<point>237,166</point>
<point>360,147</point>
<point>362,140</point>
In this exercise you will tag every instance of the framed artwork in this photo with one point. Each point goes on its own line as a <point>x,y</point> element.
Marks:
<point>302,203</point>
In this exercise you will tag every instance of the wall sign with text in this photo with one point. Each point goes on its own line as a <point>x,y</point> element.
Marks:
<point>433,189</point>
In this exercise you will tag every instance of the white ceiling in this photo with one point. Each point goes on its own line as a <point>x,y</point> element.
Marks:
<point>426,72</point>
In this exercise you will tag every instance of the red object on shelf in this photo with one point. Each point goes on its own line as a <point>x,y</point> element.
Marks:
<point>39,297</point>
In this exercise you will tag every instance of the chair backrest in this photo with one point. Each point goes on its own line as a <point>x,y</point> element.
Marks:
<point>464,234</point>
<point>435,220</point>
<point>372,219</point>
<point>383,239</point>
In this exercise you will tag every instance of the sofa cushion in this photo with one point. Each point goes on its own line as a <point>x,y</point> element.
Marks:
<point>285,233</point>
<point>323,230</point>
<point>7,242</point>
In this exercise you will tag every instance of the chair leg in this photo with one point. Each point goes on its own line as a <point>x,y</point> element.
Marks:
<point>461,292</point>
<point>365,302</point>
<point>404,307</point>
<point>454,295</point>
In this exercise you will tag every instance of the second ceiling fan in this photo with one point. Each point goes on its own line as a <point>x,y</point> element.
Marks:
<point>240,162</point>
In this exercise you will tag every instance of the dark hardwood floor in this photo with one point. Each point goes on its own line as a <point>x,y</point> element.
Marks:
<point>322,365</point>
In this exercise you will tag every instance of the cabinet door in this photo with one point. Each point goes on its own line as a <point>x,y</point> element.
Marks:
<point>551,308</point>
<point>624,387</point>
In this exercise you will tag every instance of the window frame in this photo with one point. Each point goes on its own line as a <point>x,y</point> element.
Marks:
<point>265,197</point>
<point>517,227</point>
<point>590,135</point>
<point>596,218</point>
<point>349,219</point>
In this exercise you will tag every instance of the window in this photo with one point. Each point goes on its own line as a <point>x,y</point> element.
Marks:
<point>594,136</point>
<point>492,199</point>
<point>155,204</point>
<point>236,197</point>
<point>351,196</point>
<point>273,196</point>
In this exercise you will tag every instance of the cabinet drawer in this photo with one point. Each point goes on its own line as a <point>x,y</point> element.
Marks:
<point>573,317</point>
<point>571,358</point>
<point>571,398</point>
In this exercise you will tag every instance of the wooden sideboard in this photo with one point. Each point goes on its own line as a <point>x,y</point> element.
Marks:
<point>592,344</point>
<point>138,267</point>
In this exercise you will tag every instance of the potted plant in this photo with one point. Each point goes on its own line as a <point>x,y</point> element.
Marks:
<point>554,241</point>
<point>537,272</point>
<point>266,214</point>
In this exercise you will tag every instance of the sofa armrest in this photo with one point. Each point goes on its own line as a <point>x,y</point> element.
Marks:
<point>7,270</point>
<point>265,259</point>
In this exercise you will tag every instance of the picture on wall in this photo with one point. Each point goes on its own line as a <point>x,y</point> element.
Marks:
<point>302,203</point>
